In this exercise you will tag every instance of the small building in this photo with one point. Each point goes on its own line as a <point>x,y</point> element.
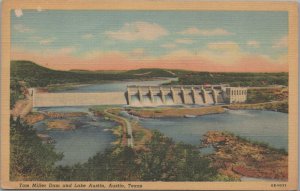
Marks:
<point>236,94</point>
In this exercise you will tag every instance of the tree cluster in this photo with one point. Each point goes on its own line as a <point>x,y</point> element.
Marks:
<point>30,159</point>
<point>162,160</point>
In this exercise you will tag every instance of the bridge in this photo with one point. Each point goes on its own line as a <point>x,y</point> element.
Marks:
<point>145,96</point>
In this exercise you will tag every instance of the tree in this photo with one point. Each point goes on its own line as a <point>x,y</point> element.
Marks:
<point>30,159</point>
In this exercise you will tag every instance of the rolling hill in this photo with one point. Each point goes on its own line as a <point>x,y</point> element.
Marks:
<point>38,76</point>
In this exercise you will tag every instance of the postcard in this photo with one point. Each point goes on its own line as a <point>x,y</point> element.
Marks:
<point>149,95</point>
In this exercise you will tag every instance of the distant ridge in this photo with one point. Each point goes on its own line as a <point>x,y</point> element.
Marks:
<point>39,76</point>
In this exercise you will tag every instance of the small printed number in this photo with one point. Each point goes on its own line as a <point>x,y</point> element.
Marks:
<point>278,185</point>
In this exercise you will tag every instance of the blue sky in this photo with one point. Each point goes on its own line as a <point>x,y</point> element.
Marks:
<point>150,34</point>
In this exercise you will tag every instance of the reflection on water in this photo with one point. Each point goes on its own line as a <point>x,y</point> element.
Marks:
<point>266,126</point>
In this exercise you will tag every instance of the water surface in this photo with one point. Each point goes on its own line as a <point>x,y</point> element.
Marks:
<point>264,126</point>
<point>90,136</point>
<point>115,86</point>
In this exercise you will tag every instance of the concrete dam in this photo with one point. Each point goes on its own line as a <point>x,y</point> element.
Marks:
<point>78,99</point>
<point>147,96</point>
<point>184,95</point>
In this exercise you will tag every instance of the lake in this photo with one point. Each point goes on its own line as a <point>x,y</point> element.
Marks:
<point>114,86</point>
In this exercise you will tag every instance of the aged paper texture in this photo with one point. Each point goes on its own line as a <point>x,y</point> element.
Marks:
<point>149,95</point>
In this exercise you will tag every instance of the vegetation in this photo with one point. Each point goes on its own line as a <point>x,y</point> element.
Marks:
<point>233,79</point>
<point>30,159</point>
<point>37,76</point>
<point>259,143</point>
<point>15,92</point>
<point>238,156</point>
<point>162,160</point>
<point>267,95</point>
<point>281,106</point>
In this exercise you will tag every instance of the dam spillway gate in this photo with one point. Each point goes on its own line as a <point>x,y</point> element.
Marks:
<point>184,95</point>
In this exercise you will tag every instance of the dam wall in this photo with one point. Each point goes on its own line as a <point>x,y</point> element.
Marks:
<point>141,96</point>
<point>78,99</point>
<point>176,95</point>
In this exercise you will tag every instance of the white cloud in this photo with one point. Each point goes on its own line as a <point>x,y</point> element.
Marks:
<point>169,45</point>
<point>184,41</point>
<point>22,29</point>
<point>138,31</point>
<point>87,36</point>
<point>224,46</point>
<point>206,32</point>
<point>47,41</point>
<point>253,43</point>
<point>18,12</point>
<point>281,43</point>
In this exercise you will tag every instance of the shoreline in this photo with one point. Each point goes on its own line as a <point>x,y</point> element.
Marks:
<point>277,106</point>
<point>175,112</point>
<point>237,157</point>
<point>161,112</point>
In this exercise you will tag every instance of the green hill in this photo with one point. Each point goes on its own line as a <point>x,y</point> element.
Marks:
<point>37,76</point>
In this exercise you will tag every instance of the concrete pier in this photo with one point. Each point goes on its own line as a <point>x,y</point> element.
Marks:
<point>162,94</point>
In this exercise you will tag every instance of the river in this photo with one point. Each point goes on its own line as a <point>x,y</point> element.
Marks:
<point>264,126</point>
<point>91,134</point>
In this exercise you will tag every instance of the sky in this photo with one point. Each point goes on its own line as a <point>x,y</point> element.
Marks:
<point>216,41</point>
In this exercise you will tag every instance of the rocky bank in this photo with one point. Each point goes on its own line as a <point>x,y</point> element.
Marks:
<point>236,157</point>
